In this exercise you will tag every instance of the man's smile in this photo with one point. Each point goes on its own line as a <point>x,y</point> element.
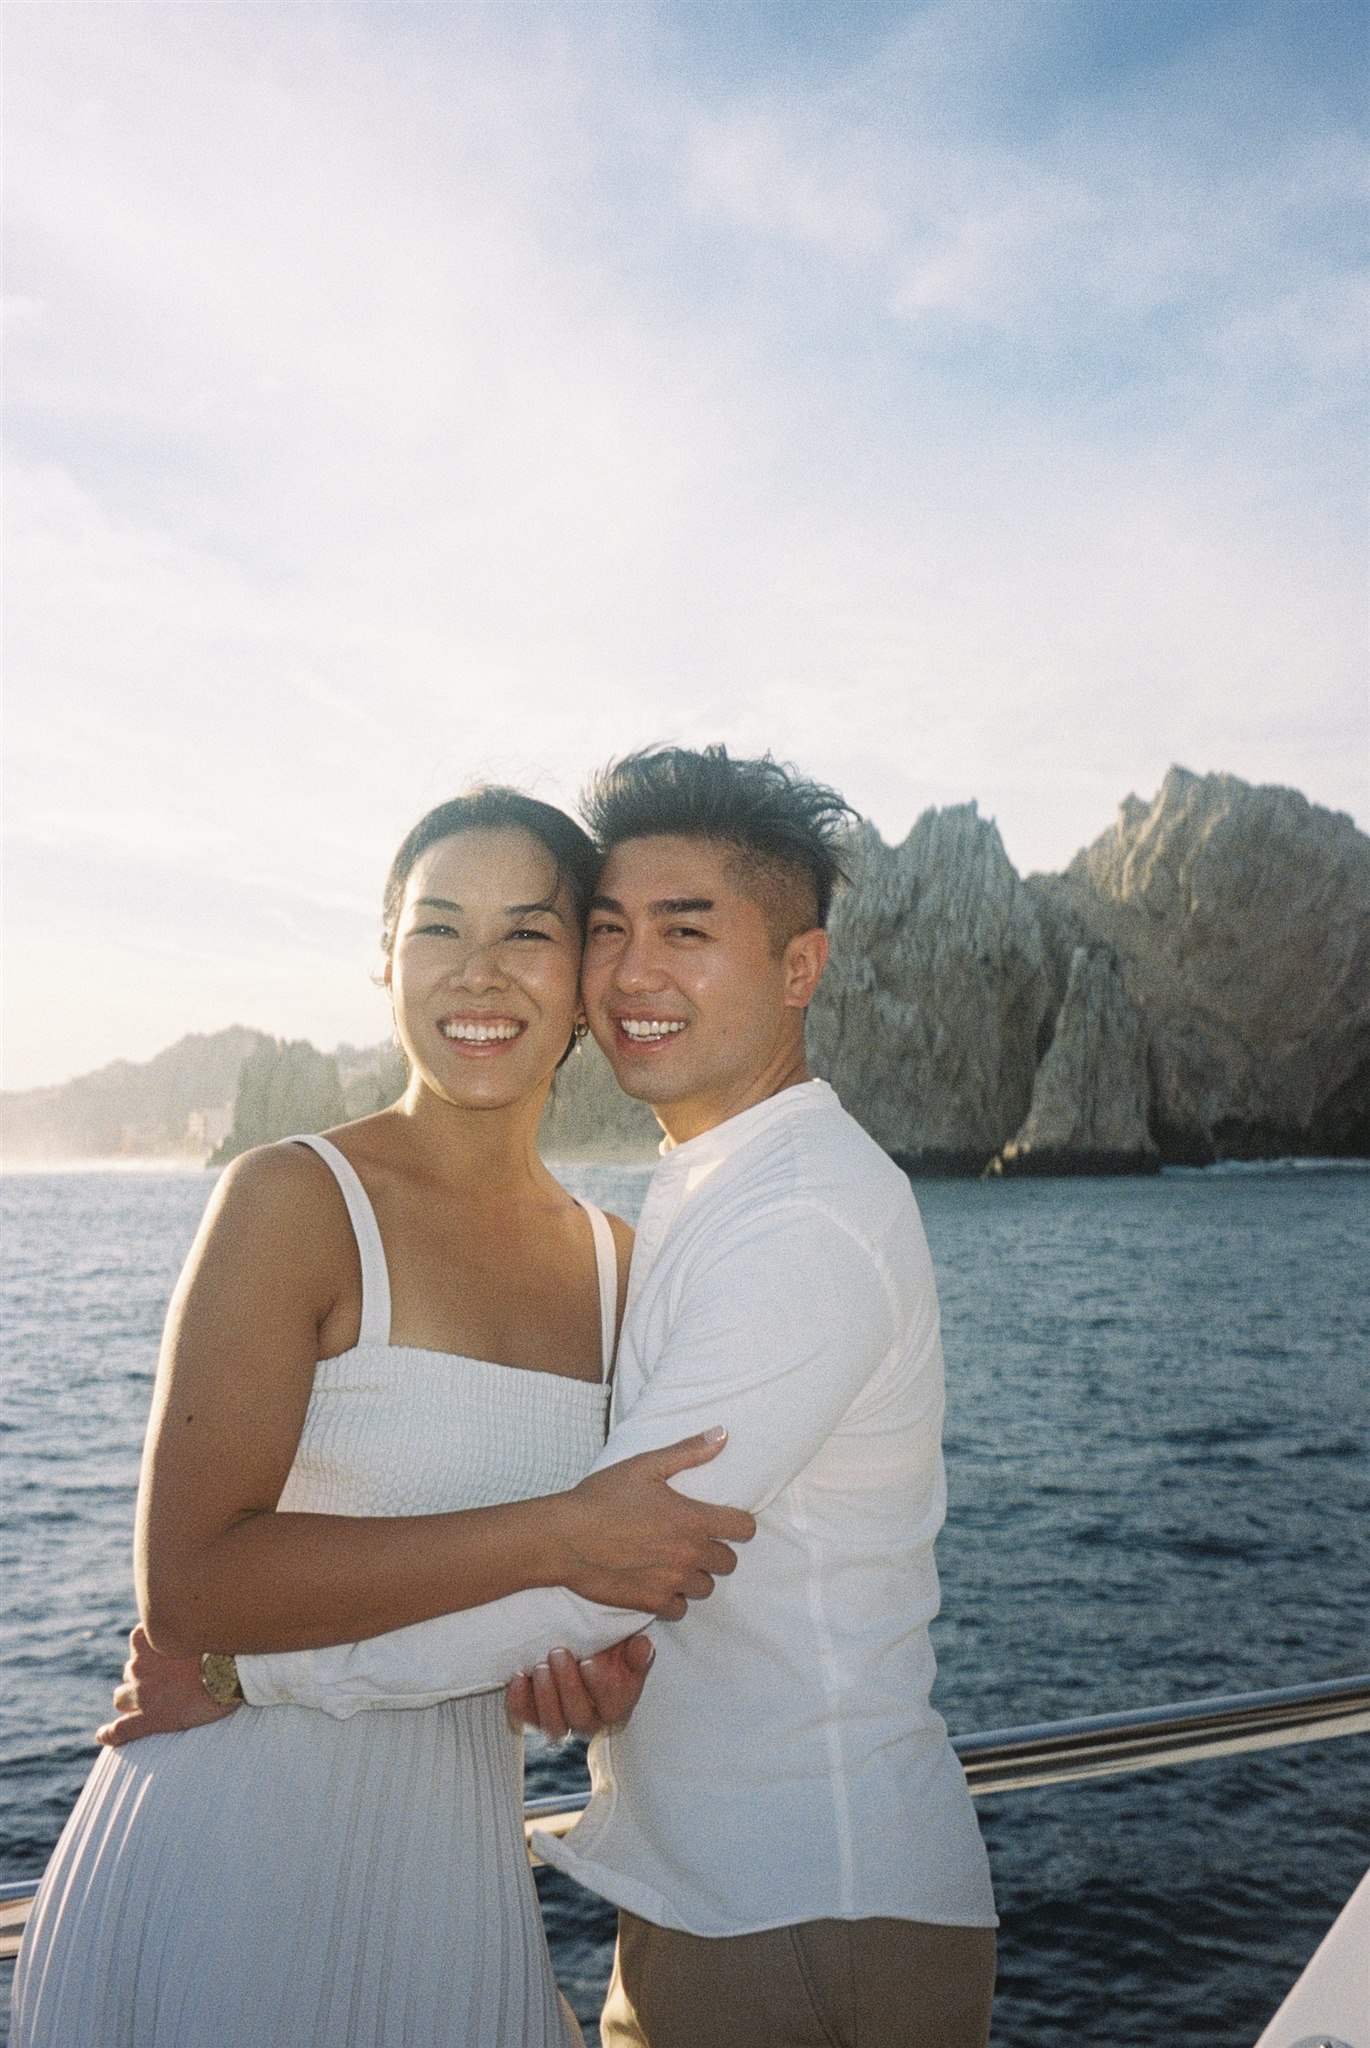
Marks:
<point>649,1030</point>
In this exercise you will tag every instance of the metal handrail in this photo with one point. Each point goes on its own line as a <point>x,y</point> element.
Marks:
<point>1047,1753</point>
<point>1108,1745</point>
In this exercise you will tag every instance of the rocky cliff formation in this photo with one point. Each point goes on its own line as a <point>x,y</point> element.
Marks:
<point>1089,1100</point>
<point>937,1003</point>
<point>372,1076</point>
<point>283,1088</point>
<point>1241,918</point>
<point>1196,986</point>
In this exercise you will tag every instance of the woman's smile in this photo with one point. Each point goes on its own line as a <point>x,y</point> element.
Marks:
<point>481,1035</point>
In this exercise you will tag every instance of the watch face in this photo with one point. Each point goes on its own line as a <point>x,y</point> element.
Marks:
<point>219,1676</point>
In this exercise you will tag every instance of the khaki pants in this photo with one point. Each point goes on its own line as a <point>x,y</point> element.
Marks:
<point>824,1984</point>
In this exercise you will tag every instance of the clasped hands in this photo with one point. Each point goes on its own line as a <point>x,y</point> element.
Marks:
<point>564,1697</point>
<point>162,1695</point>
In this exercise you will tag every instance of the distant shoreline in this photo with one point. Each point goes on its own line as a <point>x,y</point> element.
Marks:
<point>177,1162</point>
<point>1218,1169</point>
<point>1192,992</point>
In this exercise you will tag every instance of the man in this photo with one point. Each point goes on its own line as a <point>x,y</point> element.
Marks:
<point>782,1822</point>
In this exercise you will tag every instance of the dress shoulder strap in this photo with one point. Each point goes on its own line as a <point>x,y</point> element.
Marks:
<point>375,1326</point>
<point>606,1264</point>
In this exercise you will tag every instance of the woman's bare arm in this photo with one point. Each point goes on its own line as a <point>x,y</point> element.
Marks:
<point>218,1568</point>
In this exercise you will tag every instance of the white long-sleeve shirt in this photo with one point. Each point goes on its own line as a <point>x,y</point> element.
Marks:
<point>783,1763</point>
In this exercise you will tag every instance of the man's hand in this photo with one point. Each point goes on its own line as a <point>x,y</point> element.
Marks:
<point>159,1696</point>
<point>565,1698</point>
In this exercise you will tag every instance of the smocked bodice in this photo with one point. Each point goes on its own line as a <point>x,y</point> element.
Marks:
<point>392,1429</point>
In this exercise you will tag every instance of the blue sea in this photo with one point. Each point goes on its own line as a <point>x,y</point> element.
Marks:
<point>1157,1434</point>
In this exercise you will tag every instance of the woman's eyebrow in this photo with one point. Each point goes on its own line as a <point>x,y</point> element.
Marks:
<point>527,910</point>
<point>510,909</point>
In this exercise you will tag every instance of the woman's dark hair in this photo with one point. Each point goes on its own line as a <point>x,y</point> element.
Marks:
<point>492,808</point>
<point>784,828</point>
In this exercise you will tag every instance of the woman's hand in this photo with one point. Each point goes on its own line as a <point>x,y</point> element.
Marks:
<point>159,1696</point>
<point>562,1697</point>
<point>626,1538</point>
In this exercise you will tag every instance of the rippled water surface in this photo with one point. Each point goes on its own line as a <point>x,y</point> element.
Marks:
<point>1159,1486</point>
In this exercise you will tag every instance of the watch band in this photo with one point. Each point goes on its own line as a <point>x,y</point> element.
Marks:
<point>219,1677</point>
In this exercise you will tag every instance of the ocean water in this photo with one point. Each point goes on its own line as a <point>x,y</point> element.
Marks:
<point>1157,1440</point>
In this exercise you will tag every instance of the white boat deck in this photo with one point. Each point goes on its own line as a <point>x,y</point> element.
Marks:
<point>1331,2001</point>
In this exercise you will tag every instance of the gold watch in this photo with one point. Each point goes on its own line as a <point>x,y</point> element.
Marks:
<point>219,1677</point>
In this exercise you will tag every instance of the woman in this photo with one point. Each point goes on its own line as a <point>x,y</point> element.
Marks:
<point>384,1370</point>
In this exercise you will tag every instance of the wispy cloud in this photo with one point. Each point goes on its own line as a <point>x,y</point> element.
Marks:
<point>1192,190</point>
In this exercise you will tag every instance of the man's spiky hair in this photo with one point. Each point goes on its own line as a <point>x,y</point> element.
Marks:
<point>781,826</point>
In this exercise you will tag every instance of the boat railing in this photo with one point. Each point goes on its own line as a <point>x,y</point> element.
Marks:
<point>1107,1745</point>
<point>1046,1753</point>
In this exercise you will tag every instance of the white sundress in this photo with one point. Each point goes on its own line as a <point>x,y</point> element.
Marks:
<point>282,1879</point>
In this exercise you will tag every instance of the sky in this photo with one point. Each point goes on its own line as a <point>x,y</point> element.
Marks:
<point>963,401</point>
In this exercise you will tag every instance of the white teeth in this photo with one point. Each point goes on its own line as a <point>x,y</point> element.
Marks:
<point>646,1030</point>
<point>479,1034</point>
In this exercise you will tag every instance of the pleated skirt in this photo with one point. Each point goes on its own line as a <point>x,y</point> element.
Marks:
<point>281,1879</point>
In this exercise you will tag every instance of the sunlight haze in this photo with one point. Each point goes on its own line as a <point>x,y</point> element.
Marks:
<point>961,401</point>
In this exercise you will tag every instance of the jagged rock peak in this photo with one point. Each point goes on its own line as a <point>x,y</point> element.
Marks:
<point>951,865</point>
<point>1089,1101</point>
<point>928,1020</point>
<point>1242,919</point>
<point>1209,839</point>
<point>961,850</point>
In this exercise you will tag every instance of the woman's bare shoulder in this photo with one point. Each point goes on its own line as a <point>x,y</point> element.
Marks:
<point>282,1195</point>
<point>272,1172</point>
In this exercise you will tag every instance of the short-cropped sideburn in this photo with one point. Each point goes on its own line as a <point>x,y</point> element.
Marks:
<point>788,833</point>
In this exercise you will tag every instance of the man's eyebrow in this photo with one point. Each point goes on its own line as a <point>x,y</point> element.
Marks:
<point>665,906</point>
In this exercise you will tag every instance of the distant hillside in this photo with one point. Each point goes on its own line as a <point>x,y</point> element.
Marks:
<point>176,1106</point>
<point>292,1087</point>
<point>589,1118</point>
<point>205,1100</point>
